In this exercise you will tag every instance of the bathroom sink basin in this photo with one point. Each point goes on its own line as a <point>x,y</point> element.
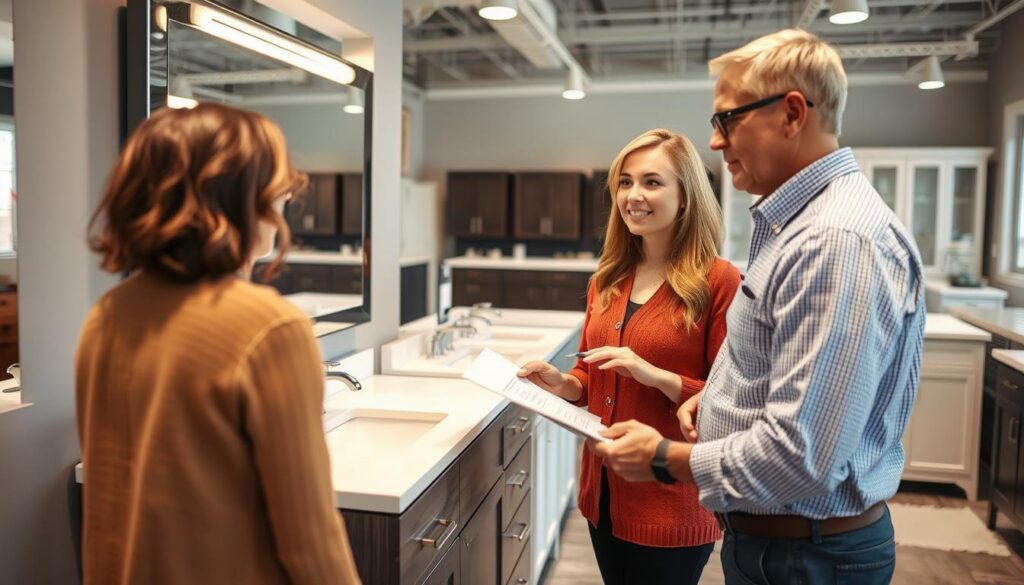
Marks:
<point>499,333</point>
<point>389,432</point>
<point>462,357</point>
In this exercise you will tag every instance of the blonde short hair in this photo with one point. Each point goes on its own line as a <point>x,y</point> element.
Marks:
<point>788,60</point>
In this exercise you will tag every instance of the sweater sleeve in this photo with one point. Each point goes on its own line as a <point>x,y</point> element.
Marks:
<point>581,370</point>
<point>723,282</point>
<point>282,388</point>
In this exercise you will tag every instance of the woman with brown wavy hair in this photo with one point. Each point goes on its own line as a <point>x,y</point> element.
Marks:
<point>199,393</point>
<point>655,320</point>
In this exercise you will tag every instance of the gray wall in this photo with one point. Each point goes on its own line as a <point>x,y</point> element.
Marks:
<point>1006,84</point>
<point>553,133</point>
<point>67,96</point>
<point>321,137</point>
<point>67,139</point>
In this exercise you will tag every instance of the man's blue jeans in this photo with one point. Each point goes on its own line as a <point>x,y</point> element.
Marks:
<point>866,556</point>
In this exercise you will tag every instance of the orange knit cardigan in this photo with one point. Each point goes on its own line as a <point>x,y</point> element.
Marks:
<point>651,513</point>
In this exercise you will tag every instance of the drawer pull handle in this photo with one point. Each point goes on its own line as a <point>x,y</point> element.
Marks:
<point>519,479</point>
<point>523,534</point>
<point>446,535</point>
<point>1014,431</point>
<point>1010,385</point>
<point>521,581</point>
<point>521,426</point>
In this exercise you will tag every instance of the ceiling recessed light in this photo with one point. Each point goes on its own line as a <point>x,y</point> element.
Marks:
<point>848,11</point>
<point>498,9</point>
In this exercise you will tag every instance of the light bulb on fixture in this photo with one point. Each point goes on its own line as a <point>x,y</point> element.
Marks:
<point>354,102</point>
<point>498,9</point>
<point>848,11</point>
<point>573,89</point>
<point>931,74</point>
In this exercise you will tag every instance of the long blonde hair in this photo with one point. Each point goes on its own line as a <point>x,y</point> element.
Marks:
<point>696,232</point>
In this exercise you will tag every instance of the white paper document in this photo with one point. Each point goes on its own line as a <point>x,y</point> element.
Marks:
<point>494,372</point>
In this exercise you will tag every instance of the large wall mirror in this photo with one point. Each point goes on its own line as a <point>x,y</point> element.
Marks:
<point>246,55</point>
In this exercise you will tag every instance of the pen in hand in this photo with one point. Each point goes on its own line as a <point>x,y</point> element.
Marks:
<point>578,354</point>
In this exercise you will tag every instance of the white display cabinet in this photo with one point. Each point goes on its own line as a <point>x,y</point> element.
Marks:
<point>939,193</point>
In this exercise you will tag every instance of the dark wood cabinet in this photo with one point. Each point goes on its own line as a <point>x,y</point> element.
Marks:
<point>351,220</point>
<point>1006,490</point>
<point>8,328</point>
<point>315,211</point>
<point>414,292</point>
<point>600,203</point>
<point>546,206</point>
<point>471,526</point>
<point>477,204</point>
<point>323,278</point>
<point>521,289</point>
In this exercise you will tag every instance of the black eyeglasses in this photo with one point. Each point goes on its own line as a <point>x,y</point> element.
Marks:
<point>720,119</point>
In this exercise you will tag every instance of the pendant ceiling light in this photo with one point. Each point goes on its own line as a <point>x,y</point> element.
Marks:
<point>498,9</point>
<point>354,102</point>
<point>931,74</point>
<point>573,89</point>
<point>848,11</point>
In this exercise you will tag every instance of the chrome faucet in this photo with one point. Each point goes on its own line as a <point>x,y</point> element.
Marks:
<point>441,340</point>
<point>348,379</point>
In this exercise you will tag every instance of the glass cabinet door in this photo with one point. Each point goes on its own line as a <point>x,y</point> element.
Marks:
<point>740,226</point>
<point>925,207</point>
<point>884,178</point>
<point>965,185</point>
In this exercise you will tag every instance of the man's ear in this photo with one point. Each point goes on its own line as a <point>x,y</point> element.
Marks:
<point>797,111</point>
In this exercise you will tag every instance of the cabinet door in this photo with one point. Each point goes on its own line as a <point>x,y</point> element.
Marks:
<point>564,207</point>
<point>352,204</point>
<point>464,294</point>
<point>492,204</point>
<point>532,206</point>
<point>925,180</point>
<point>481,542</point>
<point>315,212</point>
<point>1005,440</point>
<point>448,571</point>
<point>601,203</point>
<point>938,435</point>
<point>312,277</point>
<point>462,205</point>
<point>347,280</point>
<point>738,224</point>
<point>526,296</point>
<point>566,299</point>
<point>887,177</point>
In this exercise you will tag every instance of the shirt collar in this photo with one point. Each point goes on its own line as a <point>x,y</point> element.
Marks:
<point>786,201</point>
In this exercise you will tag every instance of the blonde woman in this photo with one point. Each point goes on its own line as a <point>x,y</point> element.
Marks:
<point>655,320</point>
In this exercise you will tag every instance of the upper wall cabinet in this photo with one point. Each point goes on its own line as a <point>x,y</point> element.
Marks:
<point>938,193</point>
<point>315,211</point>
<point>546,206</point>
<point>477,205</point>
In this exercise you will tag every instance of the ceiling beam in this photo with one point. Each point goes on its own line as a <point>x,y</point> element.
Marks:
<point>812,8</point>
<point>886,50</point>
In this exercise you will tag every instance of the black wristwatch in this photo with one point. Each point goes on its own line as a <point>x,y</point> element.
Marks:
<point>659,465</point>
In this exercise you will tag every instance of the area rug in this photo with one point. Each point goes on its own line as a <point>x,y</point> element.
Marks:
<point>944,529</point>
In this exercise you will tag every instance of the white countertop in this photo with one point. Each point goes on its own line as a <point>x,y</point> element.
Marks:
<point>942,326</point>
<point>9,400</point>
<point>528,263</point>
<point>1011,357</point>
<point>337,258</point>
<point>965,292</point>
<point>315,304</point>
<point>510,317</point>
<point>1005,321</point>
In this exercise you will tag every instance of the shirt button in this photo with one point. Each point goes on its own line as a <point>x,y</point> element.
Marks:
<point>775,228</point>
<point>618,325</point>
<point>607,400</point>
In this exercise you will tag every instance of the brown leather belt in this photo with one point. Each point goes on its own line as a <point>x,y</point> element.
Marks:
<point>796,527</point>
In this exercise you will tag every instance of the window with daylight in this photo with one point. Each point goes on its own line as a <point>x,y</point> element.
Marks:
<point>1015,184</point>
<point>8,197</point>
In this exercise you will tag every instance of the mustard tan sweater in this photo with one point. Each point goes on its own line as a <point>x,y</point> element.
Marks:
<point>199,420</point>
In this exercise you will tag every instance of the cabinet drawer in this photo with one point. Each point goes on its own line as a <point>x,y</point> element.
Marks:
<point>448,569</point>
<point>514,539</point>
<point>522,573</point>
<point>476,275</point>
<point>8,304</point>
<point>482,543</point>
<point>1009,384</point>
<point>518,479</point>
<point>479,468</point>
<point>8,330</point>
<point>427,528</point>
<point>516,428</point>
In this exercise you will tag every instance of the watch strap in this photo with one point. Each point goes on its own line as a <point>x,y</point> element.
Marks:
<point>659,464</point>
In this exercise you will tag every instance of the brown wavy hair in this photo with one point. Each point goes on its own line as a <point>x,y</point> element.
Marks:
<point>696,233</point>
<point>188,191</point>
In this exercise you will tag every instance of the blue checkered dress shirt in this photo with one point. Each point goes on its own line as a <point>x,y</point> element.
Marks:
<point>804,409</point>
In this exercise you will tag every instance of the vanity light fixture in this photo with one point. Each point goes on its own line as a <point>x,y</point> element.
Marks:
<point>354,102</point>
<point>848,11</point>
<point>498,9</point>
<point>180,95</point>
<point>931,74</point>
<point>573,89</point>
<point>250,36</point>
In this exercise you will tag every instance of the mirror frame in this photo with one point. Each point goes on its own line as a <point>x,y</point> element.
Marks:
<point>141,91</point>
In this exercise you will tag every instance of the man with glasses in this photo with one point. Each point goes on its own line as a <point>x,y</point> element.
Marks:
<point>800,422</point>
